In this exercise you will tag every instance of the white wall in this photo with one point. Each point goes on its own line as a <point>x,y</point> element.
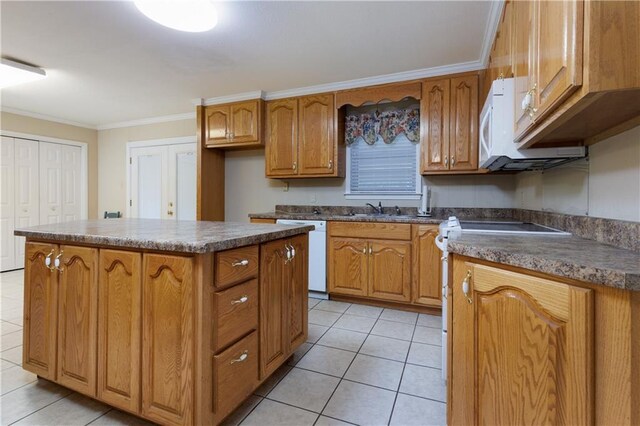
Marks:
<point>608,185</point>
<point>248,191</point>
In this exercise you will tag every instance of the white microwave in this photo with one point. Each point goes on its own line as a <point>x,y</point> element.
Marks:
<point>498,151</point>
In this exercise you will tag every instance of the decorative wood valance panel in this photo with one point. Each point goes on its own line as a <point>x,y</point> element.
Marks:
<point>374,95</point>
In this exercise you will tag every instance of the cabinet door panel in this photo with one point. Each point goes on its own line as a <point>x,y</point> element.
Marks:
<point>523,63</point>
<point>77,318</point>
<point>520,332</point>
<point>281,151</point>
<point>245,119</point>
<point>298,292</point>
<point>317,137</point>
<point>167,338</point>
<point>217,124</point>
<point>390,270</point>
<point>348,266</point>
<point>427,266</point>
<point>40,313</point>
<point>463,133</point>
<point>273,315</point>
<point>558,52</point>
<point>435,124</point>
<point>119,333</point>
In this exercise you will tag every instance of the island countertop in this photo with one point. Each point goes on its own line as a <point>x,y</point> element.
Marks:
<point>162,235</point>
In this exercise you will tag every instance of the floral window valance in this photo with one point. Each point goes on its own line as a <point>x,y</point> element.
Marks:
<point>386,124</point>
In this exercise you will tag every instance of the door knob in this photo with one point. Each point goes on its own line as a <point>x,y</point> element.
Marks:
<point>170,212</point>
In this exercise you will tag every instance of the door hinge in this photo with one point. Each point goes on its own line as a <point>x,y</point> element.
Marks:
<point>130,160</point>
<point>130,203</point>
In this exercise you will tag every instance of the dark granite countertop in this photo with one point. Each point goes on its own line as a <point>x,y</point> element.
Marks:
<point>564,256</point>
<point>361,217</point>
<point>165,235</point>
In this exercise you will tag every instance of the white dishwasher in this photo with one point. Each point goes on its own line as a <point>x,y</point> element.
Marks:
<point>317,254</point>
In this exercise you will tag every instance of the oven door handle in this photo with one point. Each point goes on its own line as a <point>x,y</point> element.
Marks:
<point>440,243</point>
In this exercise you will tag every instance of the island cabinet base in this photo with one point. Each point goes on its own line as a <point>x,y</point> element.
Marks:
<point>175,338</point>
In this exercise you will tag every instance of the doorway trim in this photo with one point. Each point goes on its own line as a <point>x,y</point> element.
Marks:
<point>145,143</point>
<point>84,162</point>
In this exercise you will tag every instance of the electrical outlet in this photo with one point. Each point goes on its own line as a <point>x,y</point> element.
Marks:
<point>285,187</point>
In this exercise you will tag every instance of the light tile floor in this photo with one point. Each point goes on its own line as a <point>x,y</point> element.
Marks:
<point>361,365</point>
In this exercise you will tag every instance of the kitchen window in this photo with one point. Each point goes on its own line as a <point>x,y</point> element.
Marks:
<point>383,170</point>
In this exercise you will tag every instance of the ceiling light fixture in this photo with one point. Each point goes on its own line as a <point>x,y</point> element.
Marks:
<point>13,73</point>
<point>184,15</point>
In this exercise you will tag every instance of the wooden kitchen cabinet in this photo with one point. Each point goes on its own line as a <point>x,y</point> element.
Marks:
<point>449,109</point>
<point>390,270</point>
<point>40,311</point>
<point>167,338</point>
<point>283,300</point>
<point>236,125</point>
<point>303,138</point>
<point>523,63</point>
<point>348,266</point>
<point>119,328</point>
<point>516,331</point>
<point>427,266</point>
<point>77,318</point>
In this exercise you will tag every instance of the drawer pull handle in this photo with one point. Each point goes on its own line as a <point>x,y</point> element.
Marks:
<point>465,287</point>
<point>242,357</point>
<point>243,299</point>
<point>57,262</point>
<point>243,262</point>
<point>47,261</point>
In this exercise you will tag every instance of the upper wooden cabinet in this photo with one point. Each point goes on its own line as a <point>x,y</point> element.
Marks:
<point>302,138</point>
<point>237,125</point>
<point>576,67</point>
<point>449,119</point>
<point>515,331</point>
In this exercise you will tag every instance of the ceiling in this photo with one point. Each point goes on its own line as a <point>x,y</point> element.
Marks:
<point>107,63</point>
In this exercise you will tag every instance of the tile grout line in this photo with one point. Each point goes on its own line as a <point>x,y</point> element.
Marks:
<point>404,366</point>
<point>42,408</point>
<point>101,415</point>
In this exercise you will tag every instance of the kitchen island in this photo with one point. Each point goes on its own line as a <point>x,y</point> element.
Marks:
<point>175,322</point>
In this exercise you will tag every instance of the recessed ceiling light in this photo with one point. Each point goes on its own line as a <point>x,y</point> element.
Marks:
<point>188,15</point>
<point>12,73</point>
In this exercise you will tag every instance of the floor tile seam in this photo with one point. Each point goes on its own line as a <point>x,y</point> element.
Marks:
<point>99,417</point>
<point>404,367</point>
<point>42,408</point>
<point>11,362</point>
<point>422,397</point>
<point>262,398</point>
<point>334,418</point>
<point>19,387</point>
<point>2,349</point>
<point>13,323</point>
<point>429,344</point>
<point>291,405</point>
<point>396,338</point>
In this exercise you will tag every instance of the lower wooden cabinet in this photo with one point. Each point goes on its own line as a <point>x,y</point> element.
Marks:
<point>427,266</point>
<point>390,270</point>
<point>348,266</point>
<point>119,328</point>
<point>40,311</point>
<point>511,332</point>
<point>167,338</point>
<point>283,300</point>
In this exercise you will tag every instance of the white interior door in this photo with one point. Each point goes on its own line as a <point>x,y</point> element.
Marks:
<point>27,193</point>
<point>7,204</point>
<point>149,182</point>
<point>50,183</point>
<point>182,181</point>
<point>71,196</point>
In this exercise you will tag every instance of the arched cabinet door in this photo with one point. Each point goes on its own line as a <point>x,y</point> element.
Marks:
<point>390,270</point>
<point>77,318</point>
<point>317,135</point>
<point>521,348</point>
<point>119,335</point>
<point>167,338</point>
<point>281,150</point>
<point>348,266</point>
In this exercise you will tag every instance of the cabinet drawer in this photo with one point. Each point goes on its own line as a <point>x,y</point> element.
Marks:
<point>234,266</point>
<point>235,375</point>
<point>377,230</point>
<point>235,313</point>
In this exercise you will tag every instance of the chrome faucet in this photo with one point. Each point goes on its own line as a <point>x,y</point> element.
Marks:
<point>377,209</point>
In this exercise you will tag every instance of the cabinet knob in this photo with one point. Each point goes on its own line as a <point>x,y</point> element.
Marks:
<point>446,161</point>
<point>295,165</point>
<point>364,251</point>
<point>331,164</point>
<point>57,262</point>
<point>243,299</point>
<point>465,286</point>
<point>47,261</point>
<point>453,161</point>
<point>243,357</point>
<point>243,262</point>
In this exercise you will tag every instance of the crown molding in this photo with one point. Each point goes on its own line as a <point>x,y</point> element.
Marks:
<point>47,118</point>
<point>490,30</point>
<point>246,96</point>
<point>380,79</point>
<point>150,120</point>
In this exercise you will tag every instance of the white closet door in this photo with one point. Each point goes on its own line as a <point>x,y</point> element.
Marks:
<point>71,196</point>
<point>149,183</point>
<point>7,204</point>
<point>50,183</point>
<point>182,181</point>
<point>27,194</point>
